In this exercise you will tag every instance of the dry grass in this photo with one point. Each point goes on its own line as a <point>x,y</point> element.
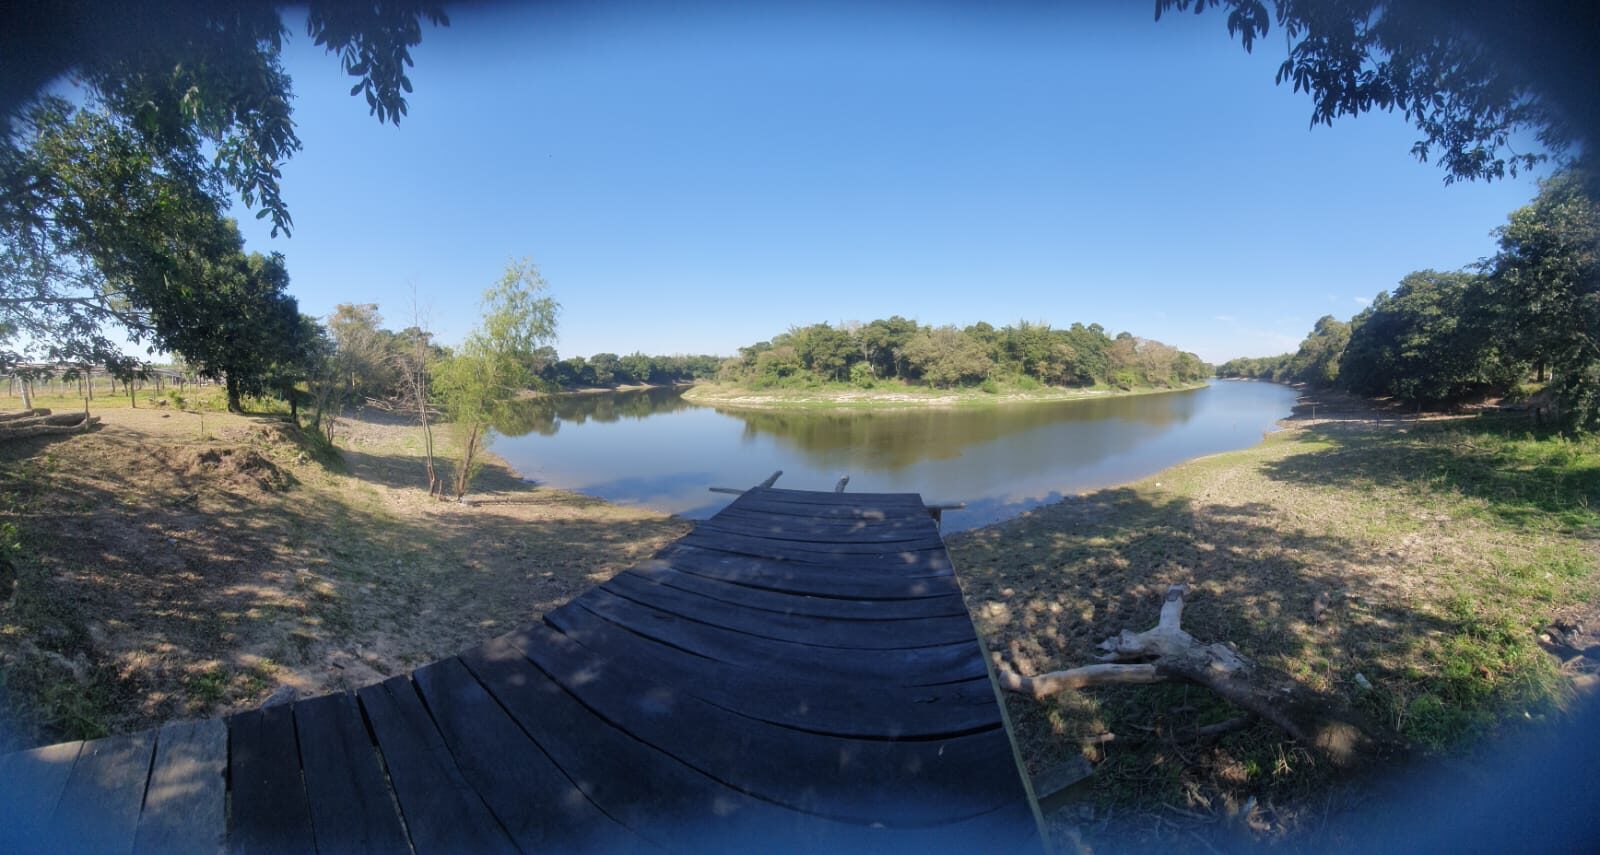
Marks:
<point>1440,548</point>
<point>149,572</point>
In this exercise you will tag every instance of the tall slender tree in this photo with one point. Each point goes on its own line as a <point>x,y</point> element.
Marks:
<point>481,378</point>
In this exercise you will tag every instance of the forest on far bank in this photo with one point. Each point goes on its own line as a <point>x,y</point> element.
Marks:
<point>899,350</point>
<point>1523,322</point>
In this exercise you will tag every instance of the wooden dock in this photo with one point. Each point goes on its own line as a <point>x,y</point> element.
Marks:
<point>799,673</point>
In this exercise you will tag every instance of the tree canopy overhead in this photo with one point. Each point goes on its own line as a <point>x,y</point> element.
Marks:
<point>192,76</point>
<point>1469,74</point>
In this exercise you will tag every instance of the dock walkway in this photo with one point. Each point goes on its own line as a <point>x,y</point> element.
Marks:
<point>799,673</point>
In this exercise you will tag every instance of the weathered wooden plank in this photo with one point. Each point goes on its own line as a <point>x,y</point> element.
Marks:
<point>802,701</point>
<point>902,502</point>
<point>822,513</point>
<point>803,629</point>
<point>753,513</point>
<point>352,809</point>
<point>795,578</point>
<point>922,666</point>
<point>766,600</point>
<point>268,811</point>
<point>867,554</point>
<point>31,783</point>
<point>99,807</point>
<point>185,804</point>
<point>658,797</point>
<point>835,538</point>
<point>539,806</point>
<point>896,575</point>
<point>1054,786</point>
<point>840,569</point>
<point>897,783</point>
<point>441,810</point>
<point>832,512</point>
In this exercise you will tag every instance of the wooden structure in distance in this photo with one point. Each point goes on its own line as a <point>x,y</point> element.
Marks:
<point>799,673</point>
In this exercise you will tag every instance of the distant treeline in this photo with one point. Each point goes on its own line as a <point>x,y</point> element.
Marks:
<point>1529,315</point>
<point>897,349</point>
<point>636,369</point>
<point>372,360</point>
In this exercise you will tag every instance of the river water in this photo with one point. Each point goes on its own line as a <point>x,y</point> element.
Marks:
<point>653,448</point>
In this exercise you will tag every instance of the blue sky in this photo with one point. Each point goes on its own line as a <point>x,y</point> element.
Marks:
<point>693,177</point>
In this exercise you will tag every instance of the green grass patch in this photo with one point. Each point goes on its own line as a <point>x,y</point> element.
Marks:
<point>1444,547</point>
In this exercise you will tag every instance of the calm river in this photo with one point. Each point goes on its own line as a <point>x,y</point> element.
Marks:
<point>653,448</point>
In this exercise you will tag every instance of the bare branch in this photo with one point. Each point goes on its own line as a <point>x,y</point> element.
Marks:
<point>1166,653</point>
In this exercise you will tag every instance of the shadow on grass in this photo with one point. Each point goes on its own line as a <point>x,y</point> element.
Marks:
<point>1525,475</point>
<point>1046,588</point>
<point>143,592</point>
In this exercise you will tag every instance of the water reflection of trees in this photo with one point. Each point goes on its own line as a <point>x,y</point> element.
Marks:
<point>899,438</point>
<point>545,415</point>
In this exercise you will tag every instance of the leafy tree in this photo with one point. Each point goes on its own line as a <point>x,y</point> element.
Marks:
<point>482,378</point>
<point>1317,361</point>
<point>1469,74</point>
<point>883,343</point>
<point>604,367</point>
<point>324,376</point>
<point>197,78</point>
<point>365,351</point>
<point>778,363</point>
<point>1544,292</point>
<point>1090,353</point>
<point>236,323</point>
<point>1257,367</point>
<point>1037,351</point>
<point>642,369</point>
<point>1123,358</point>
<point>944,357</point>
<point>825,351</point>
<point>117,232</point>
<point>1418,345</point>
<point>91,227</point>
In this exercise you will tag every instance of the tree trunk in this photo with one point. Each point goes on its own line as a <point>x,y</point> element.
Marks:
<point>64,423</point>
<point>27,394</point>
<point>233,395</point>
<point>9,418</point>
<point>469,453</point>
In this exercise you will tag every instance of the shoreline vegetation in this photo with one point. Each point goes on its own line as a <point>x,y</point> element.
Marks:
<point>906,358</point>
<point>901,396</point>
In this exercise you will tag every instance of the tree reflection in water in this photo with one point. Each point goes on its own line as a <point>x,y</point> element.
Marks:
<point>653,448</point>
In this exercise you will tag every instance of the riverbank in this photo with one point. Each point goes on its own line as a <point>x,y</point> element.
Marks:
<point>1403,566</point>
<point>169,566</point>
<point>897,396</point>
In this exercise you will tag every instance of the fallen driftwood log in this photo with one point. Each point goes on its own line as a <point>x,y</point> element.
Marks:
<point>45,419</point>
<point>45,426</point>
<point>1166,653</point>
<point>24,414</point>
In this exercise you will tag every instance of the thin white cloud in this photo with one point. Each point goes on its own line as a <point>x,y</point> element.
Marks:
<point>1227,319</point>
<point>1362,301</point>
